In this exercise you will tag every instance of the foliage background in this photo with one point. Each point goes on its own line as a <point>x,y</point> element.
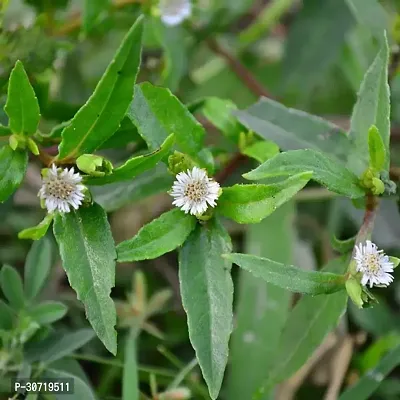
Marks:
<point>310,55</point>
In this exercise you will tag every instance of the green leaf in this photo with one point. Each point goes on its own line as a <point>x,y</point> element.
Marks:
<point>261,151</point>
<point>38,231</point>
<point>22,106</point>
<point>326,170</point>
<point>37,268</point>
<point>314,41</point>
<point>88,254</point>
<point>343,246</point>
<point>91,12</point>
<point>59,345</point>
<point>11,285</point>
<point>101,116</point>
<point>370,14</point>
<point>289,277</point>
<point>172,40</point>
<point>366,386</point>
<point>207,295</point>
<point>6,316</point>
<point>113,197</point>
<point>13,166</point>
<point>157,113</point>
<point>377,151</point>
<point>294,129</point>
<point>136,165</point>
<point>372,108</point>
<point>306,327</point>
<point>5,131</point>
<point>130,379</point>
<point>220,113</point>
<point>48,312</point>
<point>249,204</point>
<point>160,236</point>
<point>250,353</point>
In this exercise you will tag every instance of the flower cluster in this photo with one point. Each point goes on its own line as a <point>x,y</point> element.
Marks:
<point>373,264</point>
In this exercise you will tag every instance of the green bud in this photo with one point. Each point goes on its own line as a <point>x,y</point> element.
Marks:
<point>395,261</point>
<point>32,146</point>
<point>179,162</point>
<point>378,187</point>
<point>354,290</point>
<point>13,141</point>
<point>94,165</point>
<point>367,177</point>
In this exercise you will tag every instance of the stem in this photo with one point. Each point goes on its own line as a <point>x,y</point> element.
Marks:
<point>239,69</point>
<point>229,168</point>
<point>265,21</point>
<point>182,374</point>
<point>45,158</point>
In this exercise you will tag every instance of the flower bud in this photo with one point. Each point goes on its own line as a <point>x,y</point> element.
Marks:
<point>378,187</point>
<point>179,162</point>
<point>94,165</point>
<point>354,290</point>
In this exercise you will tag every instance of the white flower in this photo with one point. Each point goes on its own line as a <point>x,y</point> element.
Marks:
<point>173,12</point>
<point>61,189</point>
<point>192,191</point>
<point>373,264</point>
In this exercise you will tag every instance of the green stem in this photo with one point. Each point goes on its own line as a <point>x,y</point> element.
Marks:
<point>182,374</point>
<point>266,20</point>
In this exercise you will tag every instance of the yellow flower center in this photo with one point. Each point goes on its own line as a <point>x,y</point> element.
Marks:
<point>372,262</point>
<point>196,191</point>
<point>59,189</point>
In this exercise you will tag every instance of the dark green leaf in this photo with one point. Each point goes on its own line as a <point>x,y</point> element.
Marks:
<point>207,295</point>
<point>88,254</point>
<point>294,129</point>
<point>251,355</point>
<point>48,312</point>
<point>130,379</point>
<point>5,131</point>
<point>114,196</point>
<point>372,108</point>
<point>135,166</point>
<point>11,285</point>
<point>37,268</point>
<point>306,327</point>
<point>157,113</point>
<point>343,246</point>
<point>38,231</point>
<point>326,170</point>
<point>91,12</point>
<point>367,385</point>
<point>377,151</point>
<point>12,170</point>
<point>160,236</point>
<point>289,277</point>
<point>22,106</point>
<point>315,40</point>
<point>249,204</point>
<point>100,117</point>
<point>6,316</point>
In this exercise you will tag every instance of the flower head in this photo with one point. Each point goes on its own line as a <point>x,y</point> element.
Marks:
<point>173,12</point>
<point>62,189</point>
<point>192,191</point>
<point>373,264</point>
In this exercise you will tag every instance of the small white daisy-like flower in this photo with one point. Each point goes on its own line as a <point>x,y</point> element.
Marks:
<point>193,190</point>
<point>373,264</point>
<point>173,12</point>
<point>62,189</point>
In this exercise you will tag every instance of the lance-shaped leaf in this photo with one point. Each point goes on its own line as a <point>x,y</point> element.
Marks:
<point>326,170</point>
<point>157,113</point>
<point>377,151</point>
<point>11,285</point>
<point>289,277</point>
<point>101,116</point>
<point>88,254</point>
<point>306,327</point>
<point>12,170</point>
<point>22,106</point>
<point>38,231</point>
<point>160,236</point>
<point>135,166</point>
<point>372,108</point>
<point>294,129</point>
<point>48,312</point>
<point>207,295</point>
<point>249,204</point>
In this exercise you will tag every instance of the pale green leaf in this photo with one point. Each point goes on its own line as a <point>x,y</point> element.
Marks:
<point>38,231</point>
<point>101,116</point>
<point>90,266</point>
<point>326,170</point>
<point>48,312</point>
<point>377,151</point>
<point>22,106</point>
<point>261,151</point>
<point>130,379</point>
<point>160,236</point>
<point>249,204</point>
<point>207,295</point>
